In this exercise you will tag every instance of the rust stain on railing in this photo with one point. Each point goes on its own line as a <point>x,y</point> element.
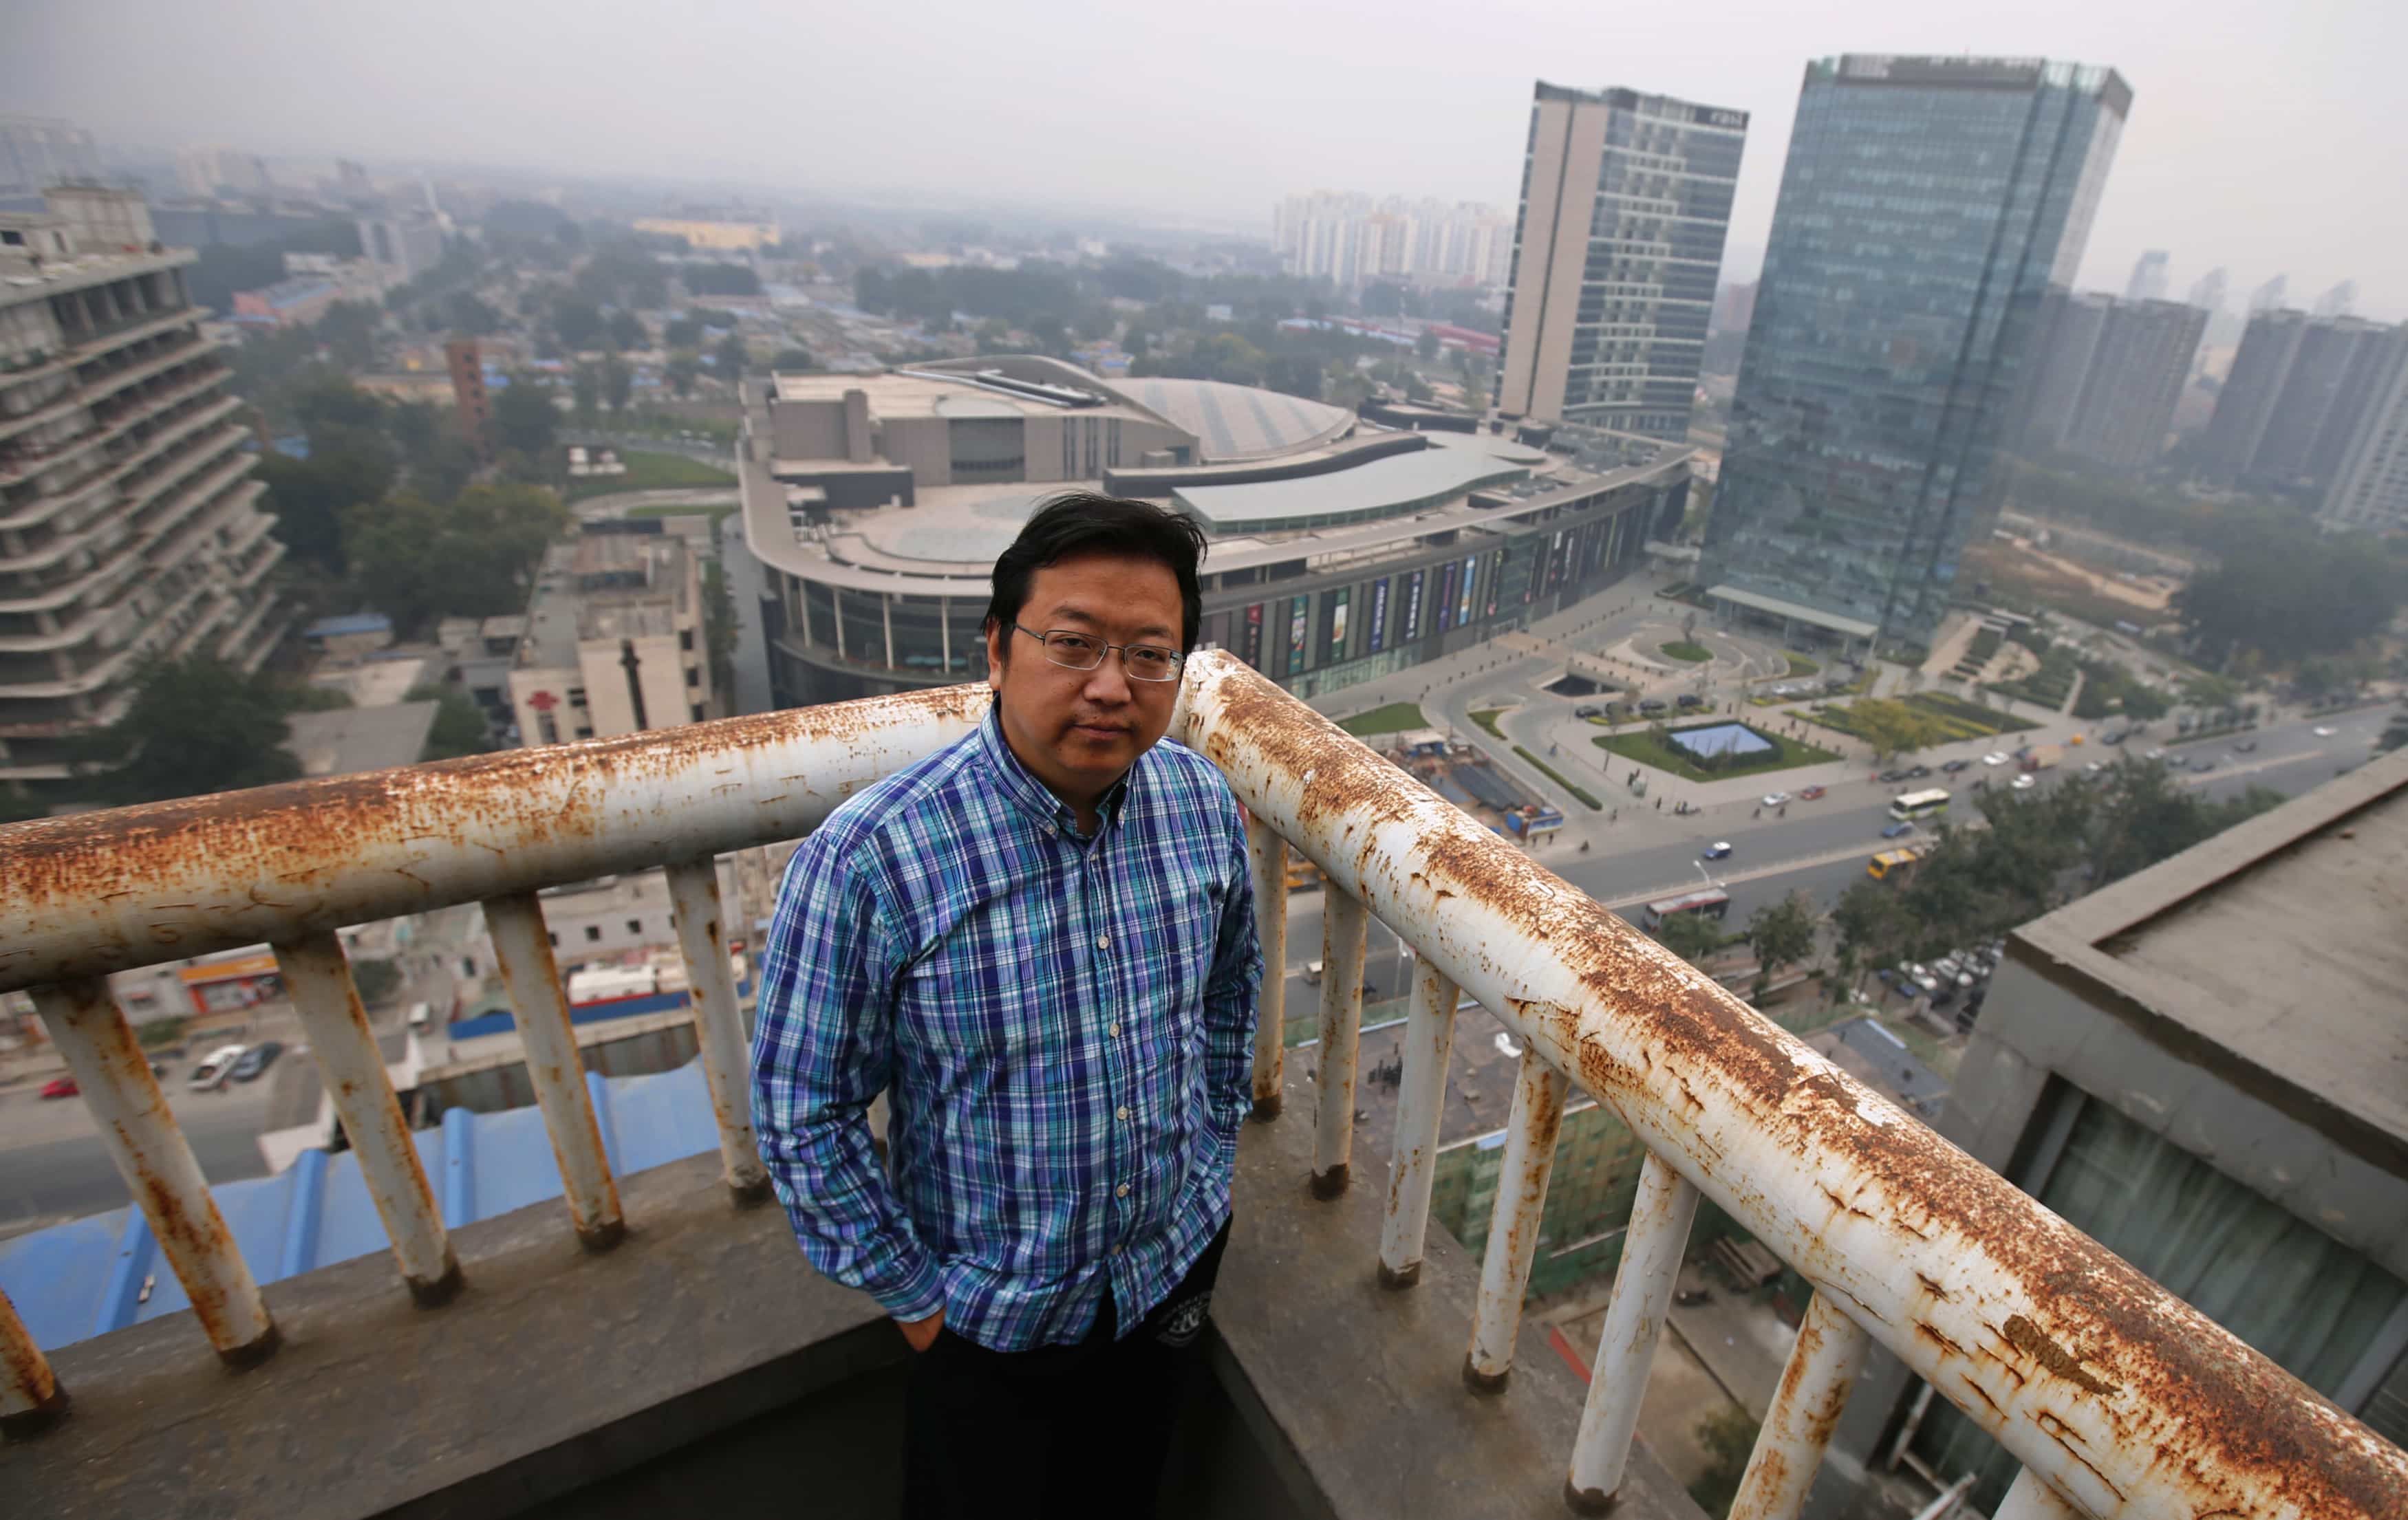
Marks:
<point>2060,1319</point>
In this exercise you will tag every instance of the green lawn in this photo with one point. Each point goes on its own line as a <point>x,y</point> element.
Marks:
<point>1396,717</point>
<point>1688,653</point>
<point>1800,665</point>
<point>1552,774</point>
<point>1643,747</point>
<point>1486,719</point>
<point>649,472</point>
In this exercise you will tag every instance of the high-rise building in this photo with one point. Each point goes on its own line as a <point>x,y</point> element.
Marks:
<point>411,243</point>
<point>2370,487</point>
<point>2340,301</point>
<point>1350,241</point>
<point>2065,340</point>
<point>1626,199</point>
<point>1927,207</point>
<point>40,152</point>
<point>2137,369</point>
<point>129,520</point>
<point>2149,275</point>
<point>2207,291</point>
<point>222,171</point>
<point>2300,389</point>
<point>2269,296</point>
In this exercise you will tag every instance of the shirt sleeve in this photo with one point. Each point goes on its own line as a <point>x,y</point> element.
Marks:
<point>822,1049</point>
<point>1230,992</point>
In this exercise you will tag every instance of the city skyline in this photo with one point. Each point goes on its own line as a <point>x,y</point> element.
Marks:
<point>1401,107</point>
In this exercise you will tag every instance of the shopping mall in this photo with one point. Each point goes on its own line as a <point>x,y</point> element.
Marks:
<point>1341,550</point>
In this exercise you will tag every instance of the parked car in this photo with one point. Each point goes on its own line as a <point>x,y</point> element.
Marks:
<point>1719,850</point>
<point>1774,799</point>
<point>2157,754</point>
<point>1807,794</point>
<point>1588,710</point>
<point>1899,830</point>
<point>1891,777</point>
<point>1917,772</point>
<point>1651,705</point>
<point>2094,767</point>
<point>2321,731</point>
<point>2115,738</point>
<point>211,1074</point>
<point>1996,756</point>
<point>1919,977</point>
<point>1689,699</point>
<point>2026,782</point>
<point>59,1087</point>
<point>2202,766</point>
<point>1956,765</point>
<point>256,1060</point>
<point>1950,969</point>
<point>2244,747</point>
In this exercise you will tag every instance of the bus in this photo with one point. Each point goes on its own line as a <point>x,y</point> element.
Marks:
<point>1892,862</point>
<point>1919,804</point>
<point>1706,902</point>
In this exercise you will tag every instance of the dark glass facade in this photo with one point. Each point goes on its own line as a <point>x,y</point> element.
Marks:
<point>1927,207</point>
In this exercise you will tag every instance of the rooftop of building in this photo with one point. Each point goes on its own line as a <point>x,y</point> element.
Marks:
<point>2182,947</point>
<point>604,586</point>
<point>1381,488</point>
<point>344,741</point>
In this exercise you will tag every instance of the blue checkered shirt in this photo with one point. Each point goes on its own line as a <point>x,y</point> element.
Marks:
<point>1064,1027</point>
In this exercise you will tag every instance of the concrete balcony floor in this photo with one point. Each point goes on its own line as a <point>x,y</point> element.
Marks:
<point>703,1365</point>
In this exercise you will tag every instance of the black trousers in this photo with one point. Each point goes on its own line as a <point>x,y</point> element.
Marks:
<point>1059,1431</point>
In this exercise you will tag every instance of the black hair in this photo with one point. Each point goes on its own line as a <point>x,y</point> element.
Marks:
<point>1080,523</point>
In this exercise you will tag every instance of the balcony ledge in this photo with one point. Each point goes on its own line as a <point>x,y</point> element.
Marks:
<point>556,1370</point>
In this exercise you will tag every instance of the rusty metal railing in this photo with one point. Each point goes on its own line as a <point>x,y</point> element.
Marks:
<point>2119,1400</point>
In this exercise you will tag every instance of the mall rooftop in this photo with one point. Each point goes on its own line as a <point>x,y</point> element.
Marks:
<point>655,1340</point>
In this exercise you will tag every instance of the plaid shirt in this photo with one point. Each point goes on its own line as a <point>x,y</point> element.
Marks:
<point>1064,1027</point>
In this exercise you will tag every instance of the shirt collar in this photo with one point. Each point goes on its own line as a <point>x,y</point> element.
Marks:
<point>1032,796</point>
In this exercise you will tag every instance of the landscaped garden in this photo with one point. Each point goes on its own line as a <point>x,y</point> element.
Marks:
<point>649,472</point>
<point>1686,652</point>
<point>1486,719</point>
<point>1895,726</point>
<point>1396,717</point>
<point>1713,751</point>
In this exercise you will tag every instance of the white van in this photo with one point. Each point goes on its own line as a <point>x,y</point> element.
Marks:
<point>422,1016</point>
<point>211,1074</point>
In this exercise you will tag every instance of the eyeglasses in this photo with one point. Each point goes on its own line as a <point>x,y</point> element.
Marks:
<point>1084,651</point>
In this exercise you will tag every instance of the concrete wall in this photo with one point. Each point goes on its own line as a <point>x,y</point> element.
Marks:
<point>806,429</point>
<point>922,446</point>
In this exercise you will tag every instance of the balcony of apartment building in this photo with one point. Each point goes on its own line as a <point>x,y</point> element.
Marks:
<point>653,1341</point>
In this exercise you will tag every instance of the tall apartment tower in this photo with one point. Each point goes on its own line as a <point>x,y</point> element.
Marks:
<point>2370,487</point>
<point>1616,254</point>
<point>2108,377</point>
<point>1927,206</point>
<point>2149,277</point>
<point>2299,393</point>
<point>129,521</point>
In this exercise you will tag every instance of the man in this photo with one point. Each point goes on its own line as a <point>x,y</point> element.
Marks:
<point>1040,943</point>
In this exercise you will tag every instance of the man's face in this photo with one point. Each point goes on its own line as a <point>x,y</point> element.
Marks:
<point>1080,730</point>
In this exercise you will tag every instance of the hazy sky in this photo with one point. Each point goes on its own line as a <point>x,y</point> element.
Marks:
<point>2265,137</point>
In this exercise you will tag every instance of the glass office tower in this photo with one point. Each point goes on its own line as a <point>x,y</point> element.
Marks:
<point>1616,253</point>
<point>1926,206</point>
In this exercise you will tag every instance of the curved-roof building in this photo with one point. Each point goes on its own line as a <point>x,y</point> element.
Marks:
<point>875,506</point>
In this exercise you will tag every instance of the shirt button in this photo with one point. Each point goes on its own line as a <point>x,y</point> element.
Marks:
<point>1103,942</point>
<point>1122,1113</point>
<point>1114,1032</point>
<point>1121,1191</point>
<point>1116,1250</point>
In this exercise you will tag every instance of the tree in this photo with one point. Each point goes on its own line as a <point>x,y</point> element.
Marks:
<point>2291,595</point>
<point>522,420</point>
<point>1692,936</point>
<point>469,313</point>
<point>618,382</point>
<point>682,332</point>
<point>1782,933</point>
<point>720,280</point>
<point>577,320</point>
<point>719,626</point>
<point>459,727</point>
<point>1425,347</point>
<point>1871,922</point>
<point>414,560</point>
<point>196,725</point>
<point>792,359</point>
<point>626,330</point>
<point>732,357</point>
<point>348,331</point>
<point>348,466</point>
<point>586,392</point>
<point>680,370</point>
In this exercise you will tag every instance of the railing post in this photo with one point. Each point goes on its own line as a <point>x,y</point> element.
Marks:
<point>344,1046</point>
<point>1266,853</point>
<point>1344,920</point>
<point>1814,1386</point>
<point>2030,1498</point>
<point>1421,1106</point>
<point>157,1163</point>
<point>719,1030</point>
<point>553,1067</point>
<point>1514,1227</point>
<point>1652,1244</point>
<point>30,1395</point>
